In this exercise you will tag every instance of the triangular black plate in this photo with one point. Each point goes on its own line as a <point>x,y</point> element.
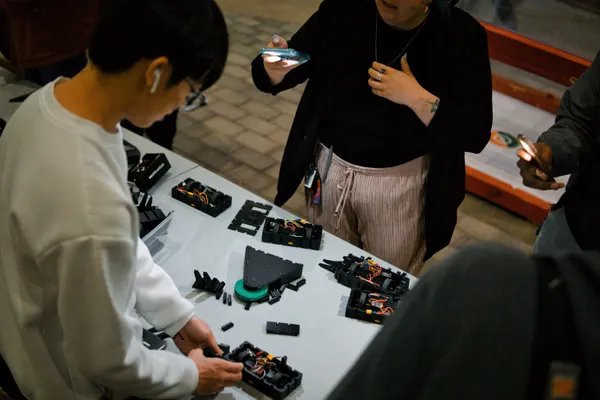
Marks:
<point>262,269</point>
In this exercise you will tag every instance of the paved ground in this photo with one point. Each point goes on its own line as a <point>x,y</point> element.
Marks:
<point>241,135</point>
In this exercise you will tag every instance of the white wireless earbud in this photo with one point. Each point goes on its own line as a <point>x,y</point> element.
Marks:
<point>155,82</point>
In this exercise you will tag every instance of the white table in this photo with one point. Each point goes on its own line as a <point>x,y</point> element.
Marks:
<point>328,343</point>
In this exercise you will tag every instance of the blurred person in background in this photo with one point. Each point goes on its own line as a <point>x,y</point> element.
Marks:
<point>571,147</point>
<point>398,91</point>
<point>48,39</point>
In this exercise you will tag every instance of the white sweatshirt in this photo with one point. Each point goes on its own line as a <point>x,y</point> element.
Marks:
<point>72,268</point>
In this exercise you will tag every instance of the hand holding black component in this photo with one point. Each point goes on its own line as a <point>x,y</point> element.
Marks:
<point>214,374</point>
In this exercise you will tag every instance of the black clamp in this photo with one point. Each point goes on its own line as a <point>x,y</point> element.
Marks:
<point>204,282</point>
<point>282,328</point>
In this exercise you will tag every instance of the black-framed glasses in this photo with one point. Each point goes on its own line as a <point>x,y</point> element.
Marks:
<point>194,100</point>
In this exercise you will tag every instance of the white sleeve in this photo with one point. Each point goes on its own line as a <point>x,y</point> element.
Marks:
<point>157,297</point>
<point>102,337</point>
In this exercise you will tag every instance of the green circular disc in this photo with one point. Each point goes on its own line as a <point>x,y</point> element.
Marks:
<point>249,295</point>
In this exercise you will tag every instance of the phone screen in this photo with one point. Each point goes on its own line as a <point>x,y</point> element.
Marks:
<point>289,57</point>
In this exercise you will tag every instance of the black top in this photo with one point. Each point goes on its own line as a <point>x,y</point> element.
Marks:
<point>366,129</point>
<point>451,63</point>
<point>575,139</point>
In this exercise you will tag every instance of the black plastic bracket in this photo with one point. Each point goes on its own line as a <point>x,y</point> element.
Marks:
<point>250,217</point>
<point>282,328</point>
<point>149,171</point>
<point>132,153</point>
<point>150,216</point>
<point>208,284</point>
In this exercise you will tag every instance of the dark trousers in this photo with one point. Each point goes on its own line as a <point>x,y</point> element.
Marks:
<point>68,68</point>
<point>161,133</point>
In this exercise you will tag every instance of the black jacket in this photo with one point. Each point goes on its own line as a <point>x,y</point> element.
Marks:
<point>455,68</point>
<point>575,143</point>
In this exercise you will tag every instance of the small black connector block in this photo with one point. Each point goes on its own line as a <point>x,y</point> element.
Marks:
<point>370,306</point>
<point>281,328</point>
<point>201,197</point>
<point>227,326</point>
<point>208,284</point>
<point>294,233</point>
<point>269,375</point>
<point>365,274</point>
<point>132,153</point>
<point>225,298</point>
<point>149,171</point>
<point>250,217</point>
<point>297,285</point>
<point>274,300</point>
<point>229,300</point>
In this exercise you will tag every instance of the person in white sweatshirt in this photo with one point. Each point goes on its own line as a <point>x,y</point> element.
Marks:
<point>73,272</point>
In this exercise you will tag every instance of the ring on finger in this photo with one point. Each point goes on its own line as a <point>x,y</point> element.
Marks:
<point>383,69</point>
<point>379,77</point>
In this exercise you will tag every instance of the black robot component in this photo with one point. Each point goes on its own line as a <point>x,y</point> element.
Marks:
<point>295,233</point>
<point>133,154</point>
<point>370,306</point>
<point>149,171</point>
<point>250,217</point>
<point>153,340</point>
<point>208,284</point>
<point>201,197</point>
<point>150,216</point>
<point>227,326</point>
<point>281,328</point>
<point>267,270</point>
<point>268,374</point>
<point>364,273</point>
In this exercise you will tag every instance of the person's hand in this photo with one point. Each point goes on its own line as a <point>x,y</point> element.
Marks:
<point>532,176</point>
<point>401,87</point>
<point>214,374</point>
<point>275,67</point>
<point>196,334</point>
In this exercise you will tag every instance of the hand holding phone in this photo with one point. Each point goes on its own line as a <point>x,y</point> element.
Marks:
<point>535,163</point>
<point>278,59</point>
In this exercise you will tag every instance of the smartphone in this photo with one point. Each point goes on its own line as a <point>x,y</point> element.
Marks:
<point>535,157</point>
<point>289,56</point>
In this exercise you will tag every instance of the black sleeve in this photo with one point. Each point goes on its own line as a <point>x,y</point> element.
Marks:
<point>463,120</point>
<point>572,138</point>
<point>305,41</point>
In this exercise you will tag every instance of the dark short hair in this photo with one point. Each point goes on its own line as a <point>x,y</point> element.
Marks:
<point>191,34</point>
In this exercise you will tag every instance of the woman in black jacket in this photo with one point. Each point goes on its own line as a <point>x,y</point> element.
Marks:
<point>397,91</point>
